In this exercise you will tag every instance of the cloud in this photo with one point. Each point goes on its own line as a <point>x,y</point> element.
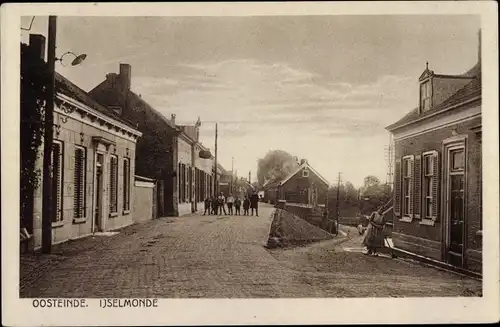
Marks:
<point>259,106</point>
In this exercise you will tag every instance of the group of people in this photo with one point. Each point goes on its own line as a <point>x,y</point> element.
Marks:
<point>216,205</point>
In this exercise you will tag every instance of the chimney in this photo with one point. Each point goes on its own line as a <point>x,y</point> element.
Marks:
<point>125,76</point>
<point>37,45</point>
<point>172,118</point>
<point>111,77</point>
<point>303,161</point>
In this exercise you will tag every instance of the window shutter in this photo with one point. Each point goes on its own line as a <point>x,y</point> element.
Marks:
<point>418,187</point>
<point>397,188</point>
<point>56,181</point>
<point>79,184</point>
<point>435,185</point>
<point>412,182</point>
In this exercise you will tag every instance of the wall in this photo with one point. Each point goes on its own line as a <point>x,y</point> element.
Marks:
<point>70,135</point>
<point>143,201</point>
<point>297,183</point>
<point>427,240</point>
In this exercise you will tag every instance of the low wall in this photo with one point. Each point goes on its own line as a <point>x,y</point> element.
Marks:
<point>144,193</point>
<point>310,214</point>
<point>288,230</point>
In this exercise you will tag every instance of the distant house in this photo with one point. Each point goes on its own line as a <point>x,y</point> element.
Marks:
<point>167,152</point>
<point>93,162</point>
<point>438,182</point>
<point>303,186</point>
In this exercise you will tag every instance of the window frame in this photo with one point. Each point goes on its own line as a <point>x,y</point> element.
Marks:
<point>425,95</point>
<point>428,184</point>
<point>407,212</point>
<point>76,213</point>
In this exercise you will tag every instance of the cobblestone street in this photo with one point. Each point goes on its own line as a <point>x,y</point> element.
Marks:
<point>221,257</point>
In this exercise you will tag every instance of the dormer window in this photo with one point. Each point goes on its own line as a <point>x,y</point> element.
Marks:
<point>425,95</point>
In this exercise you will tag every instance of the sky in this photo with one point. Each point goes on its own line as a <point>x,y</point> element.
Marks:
<point>319,87</point>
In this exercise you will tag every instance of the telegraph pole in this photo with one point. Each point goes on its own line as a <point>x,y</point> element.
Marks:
<point>47,209</point>
<point>232,174</point>
<point>216,182</point>
<point>337,207</point>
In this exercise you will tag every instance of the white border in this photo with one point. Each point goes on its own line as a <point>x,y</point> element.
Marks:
<point>16,312</point>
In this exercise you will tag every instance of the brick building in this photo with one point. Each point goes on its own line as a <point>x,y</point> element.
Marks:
<point>93,165</point>
<point>304,186</point>
<point>166,152</point>
<point>437,183</point>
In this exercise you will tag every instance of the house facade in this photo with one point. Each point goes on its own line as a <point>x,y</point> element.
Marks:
<point>303,186</point>
<point>166,152</point>
<point>438,182</point>
<point>93,164</point>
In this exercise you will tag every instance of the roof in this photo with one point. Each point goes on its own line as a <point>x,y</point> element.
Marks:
<point>138,98</point>
<point>272,183</point>
<point>306,164</point>
<point>468,92</point>
<point>66,87</point>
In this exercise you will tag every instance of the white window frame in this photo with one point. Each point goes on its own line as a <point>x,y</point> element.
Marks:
<point>426,95</point>
<point>305,172</point>
<point>427,177</point>
<point>405,212</point>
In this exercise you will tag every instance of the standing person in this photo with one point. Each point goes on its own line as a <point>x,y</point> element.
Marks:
<point>246,205</point>
<point>237,205</point>
<point>214,206</point>
<point>220,203</point>
<point>208,206</point>
<point>230,201</point>
<point>374,238</point>
<point>254,203</point>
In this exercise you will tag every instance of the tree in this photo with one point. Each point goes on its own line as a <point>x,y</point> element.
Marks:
<point>277,164</point>
<point>374,195</point>
<point>34,86</point>
<point>370,181</point>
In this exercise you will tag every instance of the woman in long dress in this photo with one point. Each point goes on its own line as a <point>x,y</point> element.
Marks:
<point>374,237</point>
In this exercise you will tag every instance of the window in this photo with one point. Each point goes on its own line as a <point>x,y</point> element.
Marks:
<point>79,196</point>
<point>428,181</point>
<point>113,185</point>
<point>190,185</point>
<point>408,186</point>
<point>126,184</point>
<point>57,181</point>
<point>305,172</point>
<point>425,96</point>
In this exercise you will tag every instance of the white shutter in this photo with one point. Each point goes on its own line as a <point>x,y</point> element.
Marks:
<point>435,185</point>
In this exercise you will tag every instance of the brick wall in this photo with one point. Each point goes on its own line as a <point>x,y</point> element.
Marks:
<point>297,183</point>
<point>428,240</point>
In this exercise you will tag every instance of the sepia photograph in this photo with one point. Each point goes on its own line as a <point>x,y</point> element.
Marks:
<point>277,156</point>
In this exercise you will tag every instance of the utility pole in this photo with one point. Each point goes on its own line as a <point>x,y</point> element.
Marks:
<point>47,209</point>
<point>250,177</point>
<point>389,153</point>
<point>337,209</point>
<point>216,182</point>
<point>232,175</point>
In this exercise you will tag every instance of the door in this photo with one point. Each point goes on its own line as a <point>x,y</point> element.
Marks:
<point>456,206</point>
<point>98,196</point>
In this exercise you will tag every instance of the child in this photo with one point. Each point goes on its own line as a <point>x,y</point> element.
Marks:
<point>237,205</point>
<point>246,205</point>
<point>214,206</point>
<point>230,201</point>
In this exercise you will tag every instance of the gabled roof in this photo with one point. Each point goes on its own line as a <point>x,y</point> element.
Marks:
<point>306,164</point>
<point>272,183</point>
<point>66,87</point>
<point>468,92</point>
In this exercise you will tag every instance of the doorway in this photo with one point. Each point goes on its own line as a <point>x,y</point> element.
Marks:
<point>98,192</point>
<point>455,205</point>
